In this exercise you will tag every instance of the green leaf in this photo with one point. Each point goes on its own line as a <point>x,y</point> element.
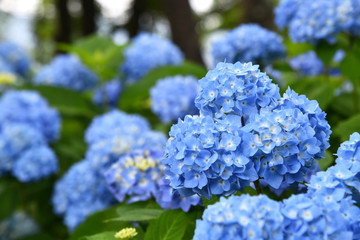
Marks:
<point>294,49</point>
<point>346,128</point>
<point>66,101</point>
<point>136,97</point>
<point>137,215</point>
<point>207,202</point>
<point>102,236</point>
<point>349,67</point>
<point>316,89</point>
<point>325,52</point>
<point>9,192</point>
<point>327,161</point>
<point>96,224</point>
<point>171,225</point>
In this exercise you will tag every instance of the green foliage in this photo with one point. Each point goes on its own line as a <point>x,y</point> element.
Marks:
<point>171,225</point>
<point>99,53</point>
<point>10,197</point>
<point>346,128</point>
<point>138,215</point>
<point>350,65</point>
<point>327,161</point>
<point>325,52</point>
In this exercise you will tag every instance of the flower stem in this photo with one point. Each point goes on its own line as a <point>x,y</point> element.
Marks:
<point>258,187</point>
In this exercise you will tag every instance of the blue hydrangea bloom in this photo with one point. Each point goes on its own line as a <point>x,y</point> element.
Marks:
<point>16,57</point>
<point>67,71</point>
<point>149,51</point>
<point>239,89</point>
<point>5,67</point>
<point>311,21</point>
<point>35,163</point>
<point>117,123</point>
<point>207,157</point>
<point>30,108</point>
<point>307,64</point>
<point>168,198</point>
<point>306,217</point>
<point>248,43</point>
<point>289,137</point>
<point>285,12</point>
<point>241,217</point>
<point>80,192</point>
<point>173,97</point>
<point>17,226</point>
<point>135,175</point>
<point>15,139</point>
<point>108,94</point>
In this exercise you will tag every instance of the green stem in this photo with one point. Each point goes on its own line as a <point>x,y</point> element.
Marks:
<point>258,187</point>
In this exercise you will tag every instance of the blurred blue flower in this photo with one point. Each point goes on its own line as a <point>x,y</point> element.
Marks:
<point>306,217</point>
<point>108,94</point>
<point>67,71</point>
<point>35,163</point>
<point>248,43</point>
<point>80,192</point>
<point>311,21</point>
<point>241,217</point>
<point>17,226</point>
<point>30,108</point>
<point>5,67</point>
<point>15,57</point>
<point>238,88</point>
<point>149,51</point>
<point>173,97</point>
<point>307,64</point>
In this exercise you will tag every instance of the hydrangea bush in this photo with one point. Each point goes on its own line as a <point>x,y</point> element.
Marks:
<point>15,58</point>
<point>159,52</point>
<point>67,71</point>
<point>173,97</point>
<point>248,43</point>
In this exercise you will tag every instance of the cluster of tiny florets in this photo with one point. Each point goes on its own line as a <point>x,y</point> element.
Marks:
<point>107,95</point>
<point>173,97</point>
<point>27,124</point>
<point>79,193</point>
<point>311,21</point>
<point>147,52</point>
<point>110,137</point>
<point>248,43</point>
<point>241,217</point>
<point>14,59</point>
<point>307,64</point>
<point>239,89</point>
<point>67,71</point>
<point>245,132</point>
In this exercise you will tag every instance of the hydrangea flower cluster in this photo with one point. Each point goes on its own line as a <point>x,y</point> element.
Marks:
<point>241,217</point>
<point>245,131</point>
<point>18,225</point>
<point>67,71</point>
<point>5,67</point>
<point>27,124</point>
<point>248,43</point>
<point>239,89</point>
<point>147,52</point>
<point>135,175</point>
<point>307,217</point>
<point>109,137</point>
<point>311,21</point>
<point>108,94</point>
<point>29,107</point>
<point>168,198</point>
<point>173,97</point>
<point>15,58</point>
<point>307,64</point>
<point>79,193</point>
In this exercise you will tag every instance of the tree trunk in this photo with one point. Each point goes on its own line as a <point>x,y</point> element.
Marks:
<point>183,31</point>
<point>63,22</point>
<point>88,17</point>
<point>138,9</point>
<point>258,11</point>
